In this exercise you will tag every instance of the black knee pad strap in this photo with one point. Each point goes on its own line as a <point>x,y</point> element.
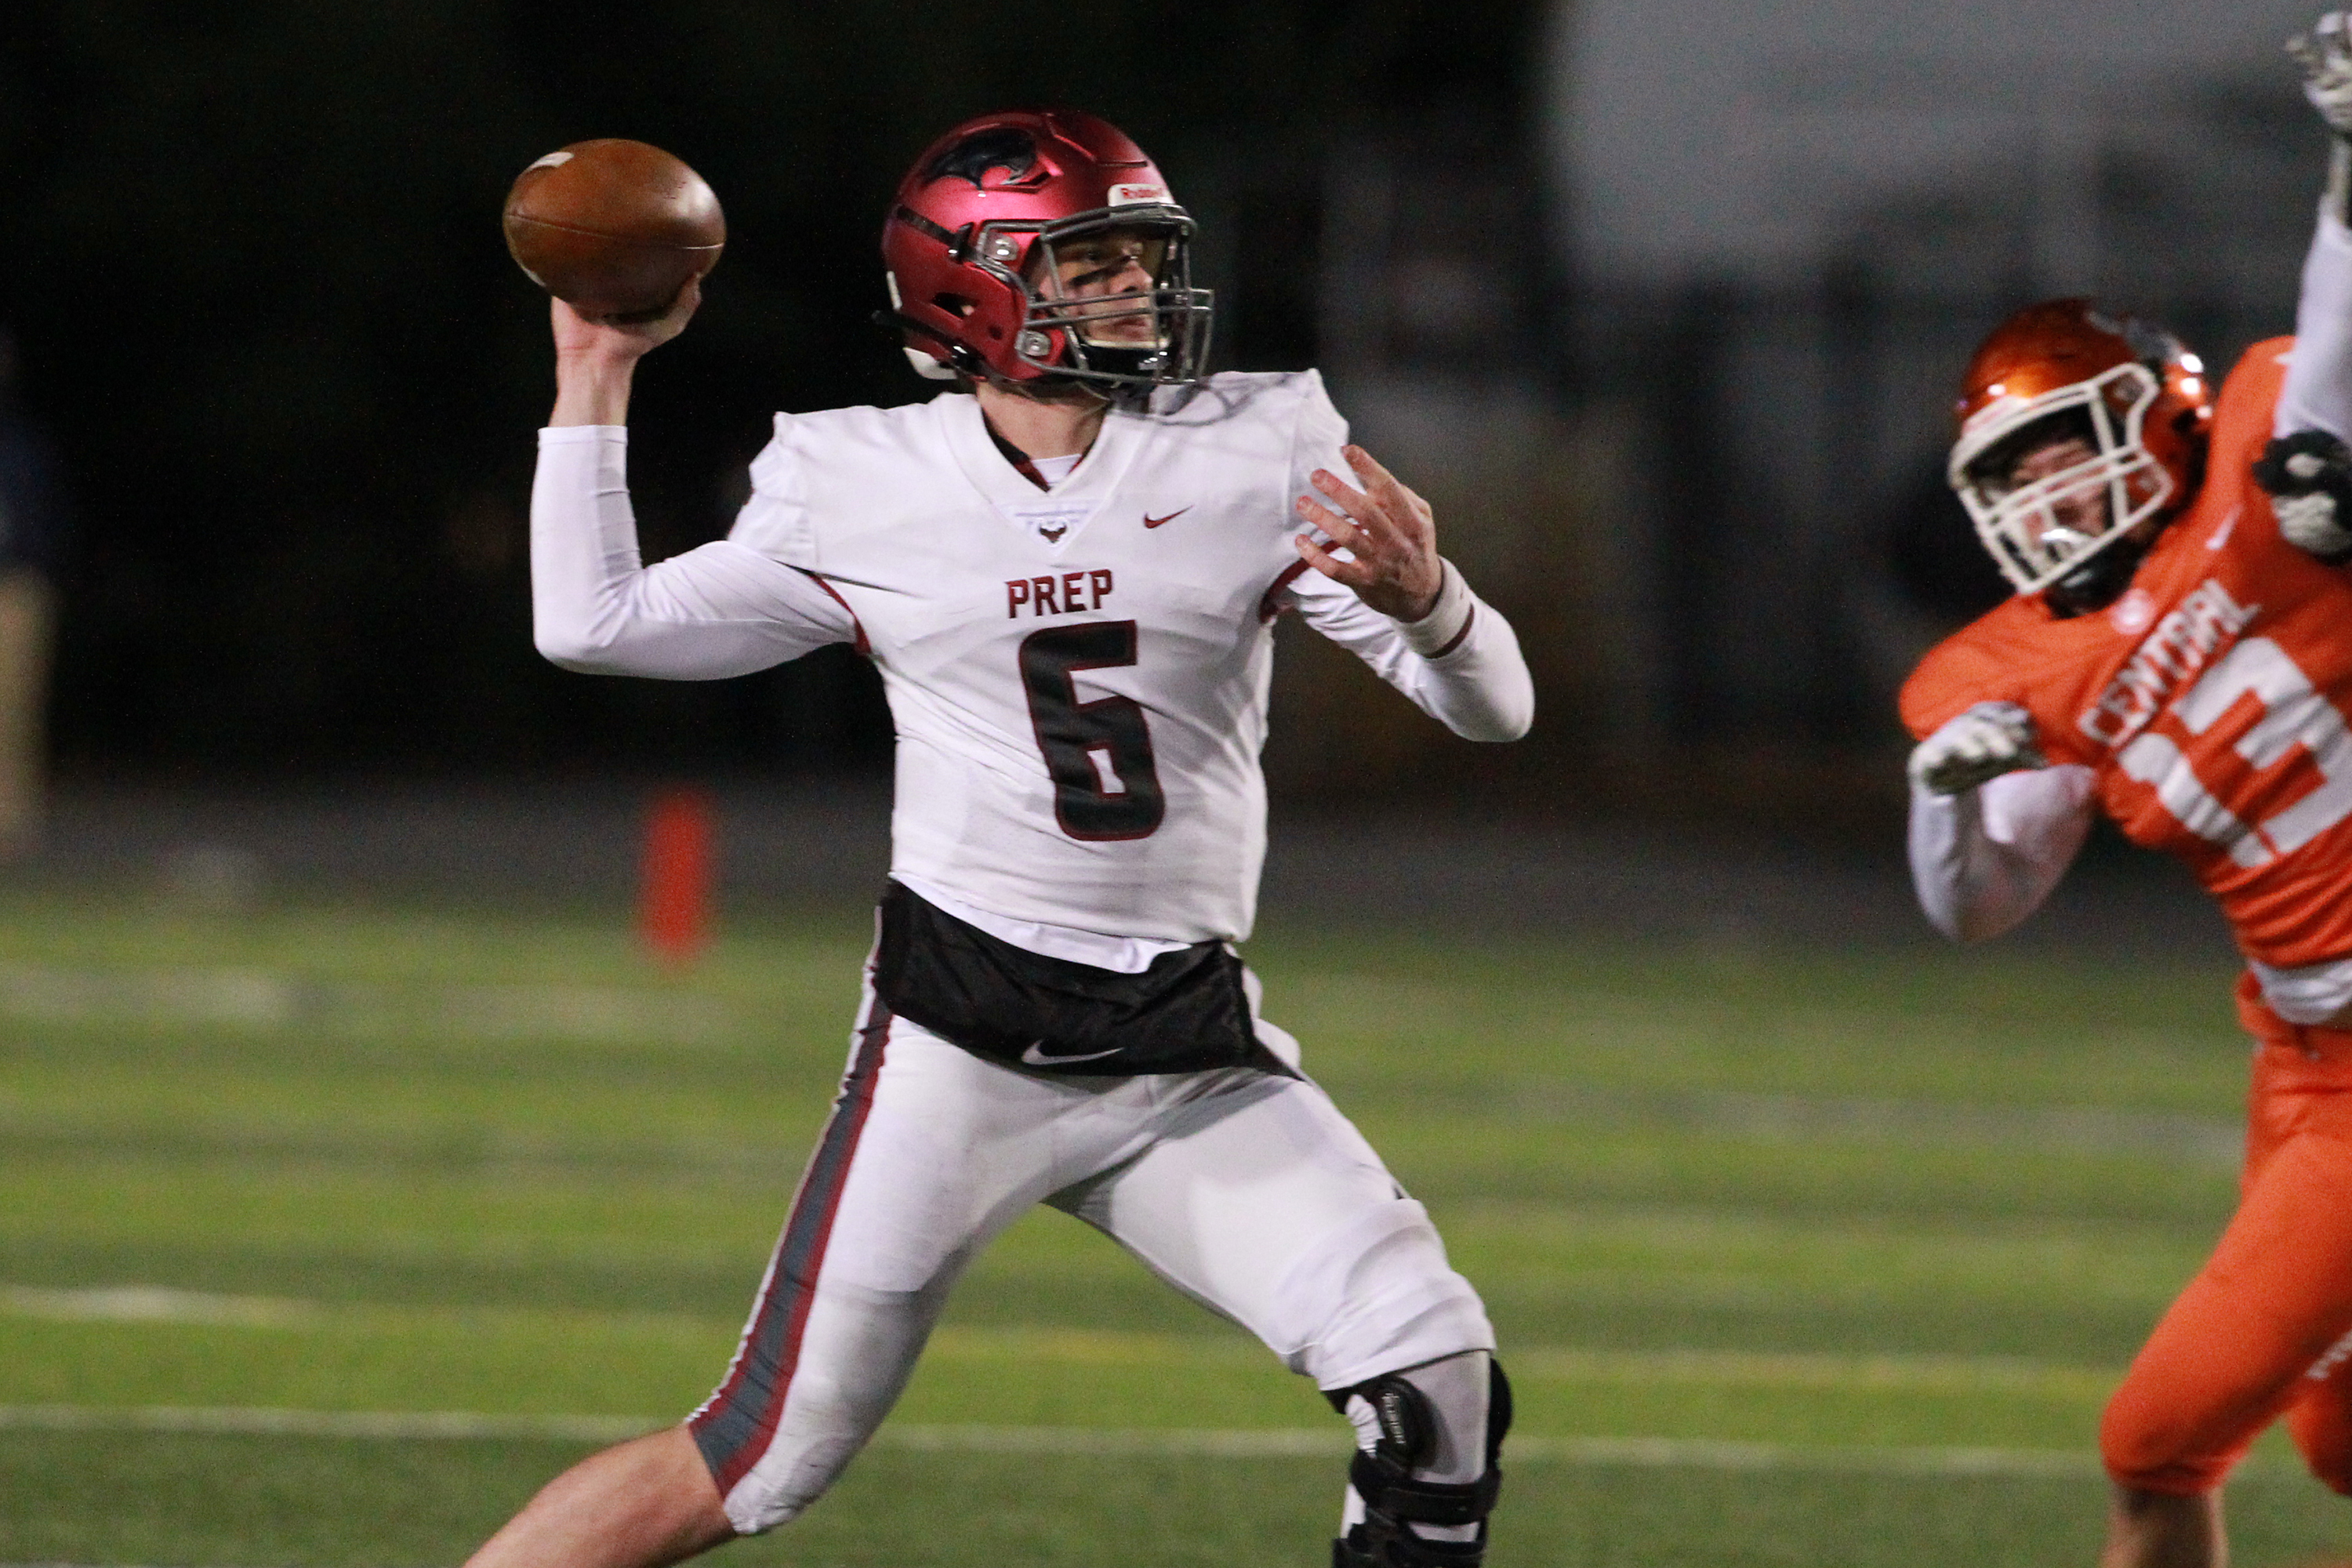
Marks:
<point>1389,1490</point>
<point>1395,1499</point>
<point>1369,1545</point>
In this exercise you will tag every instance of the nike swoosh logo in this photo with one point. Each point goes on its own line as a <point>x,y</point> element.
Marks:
<point>1035,1058</point>
<point>1151,521</point>
<point>2221,535</point>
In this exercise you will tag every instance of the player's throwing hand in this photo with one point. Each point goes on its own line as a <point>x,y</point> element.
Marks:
<point>596,360</point>
<point>1388,529</point>
<point>577,335</point>
<point>1986,741</point>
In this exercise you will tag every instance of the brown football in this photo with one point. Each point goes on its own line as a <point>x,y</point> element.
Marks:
<point>614,228</point>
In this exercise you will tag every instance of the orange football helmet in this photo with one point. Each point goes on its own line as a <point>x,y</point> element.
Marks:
<point>2128,388</point>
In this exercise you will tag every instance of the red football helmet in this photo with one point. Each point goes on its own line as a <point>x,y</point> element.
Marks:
<point>2128,388</point>
<point>1035,245</point>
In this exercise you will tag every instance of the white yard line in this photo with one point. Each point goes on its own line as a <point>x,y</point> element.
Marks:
<point>1868,1372</point>
<point>268,1421</point>
<point>260,1000</point>
<point>155,1304</point>
<point>1656,1453</point>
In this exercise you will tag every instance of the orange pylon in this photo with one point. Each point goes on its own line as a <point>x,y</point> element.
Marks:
<point>674,913</point>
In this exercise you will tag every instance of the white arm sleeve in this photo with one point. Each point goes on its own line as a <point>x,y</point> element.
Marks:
<point>719,610</point>
<point>1983,859</point>
<point>1478,687</point>
<point>2318,391</point>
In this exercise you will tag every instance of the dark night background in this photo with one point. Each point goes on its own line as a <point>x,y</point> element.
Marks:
<point>253,258</point>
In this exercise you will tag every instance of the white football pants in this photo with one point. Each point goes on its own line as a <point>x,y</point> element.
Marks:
<point>1247,1190</point>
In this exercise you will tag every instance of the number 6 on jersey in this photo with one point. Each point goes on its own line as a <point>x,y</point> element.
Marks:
<point>1097,753</point>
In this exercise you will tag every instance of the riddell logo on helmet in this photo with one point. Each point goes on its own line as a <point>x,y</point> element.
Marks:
<point>1128,195</point>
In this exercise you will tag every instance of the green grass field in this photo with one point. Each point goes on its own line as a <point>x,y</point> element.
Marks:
<point>1805,1258</point>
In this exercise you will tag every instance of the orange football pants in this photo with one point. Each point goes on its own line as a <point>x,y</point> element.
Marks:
<point>2265,1329</point>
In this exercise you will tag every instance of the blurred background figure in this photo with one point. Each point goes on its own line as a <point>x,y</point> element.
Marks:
<point>1784,227</point>
<point>32,533</point>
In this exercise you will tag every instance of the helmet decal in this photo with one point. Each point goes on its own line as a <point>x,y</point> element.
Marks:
<point>1006,147</point>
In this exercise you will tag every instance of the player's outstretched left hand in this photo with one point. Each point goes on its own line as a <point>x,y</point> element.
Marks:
<point>1974,747</point>
<point>1388,529</point>
<point>2325,56</point>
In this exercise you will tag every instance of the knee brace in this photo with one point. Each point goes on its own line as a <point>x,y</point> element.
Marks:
<point>1405,1440</point>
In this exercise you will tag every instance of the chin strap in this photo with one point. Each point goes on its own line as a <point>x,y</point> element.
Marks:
<point>959,357</point>
<point>2098,581</point>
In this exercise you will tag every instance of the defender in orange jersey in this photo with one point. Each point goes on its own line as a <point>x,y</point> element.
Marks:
<point>2180,656</point>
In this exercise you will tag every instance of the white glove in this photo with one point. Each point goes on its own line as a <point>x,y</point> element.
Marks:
<point>2310,523</point>
<point>2309,476</point>
<point>2325,56</point>
<point>1988,741</point>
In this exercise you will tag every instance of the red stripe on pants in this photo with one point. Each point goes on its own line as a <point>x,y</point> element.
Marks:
<point>734,1428</point>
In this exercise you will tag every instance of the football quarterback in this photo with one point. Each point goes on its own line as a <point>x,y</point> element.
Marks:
<point>1066,566</point>
<point>2178,656</point>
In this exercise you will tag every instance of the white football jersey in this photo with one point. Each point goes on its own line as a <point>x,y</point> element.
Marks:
<point>1079,677</point>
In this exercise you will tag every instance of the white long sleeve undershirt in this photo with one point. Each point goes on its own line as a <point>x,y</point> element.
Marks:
<point>1460,664</point>
<point>718,610</point>
<point>1985,858</point>
<point>2318,394</point>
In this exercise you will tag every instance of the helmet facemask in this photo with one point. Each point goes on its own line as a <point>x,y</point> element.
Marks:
<point>1081,322</point>
<point>2022,525</point>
